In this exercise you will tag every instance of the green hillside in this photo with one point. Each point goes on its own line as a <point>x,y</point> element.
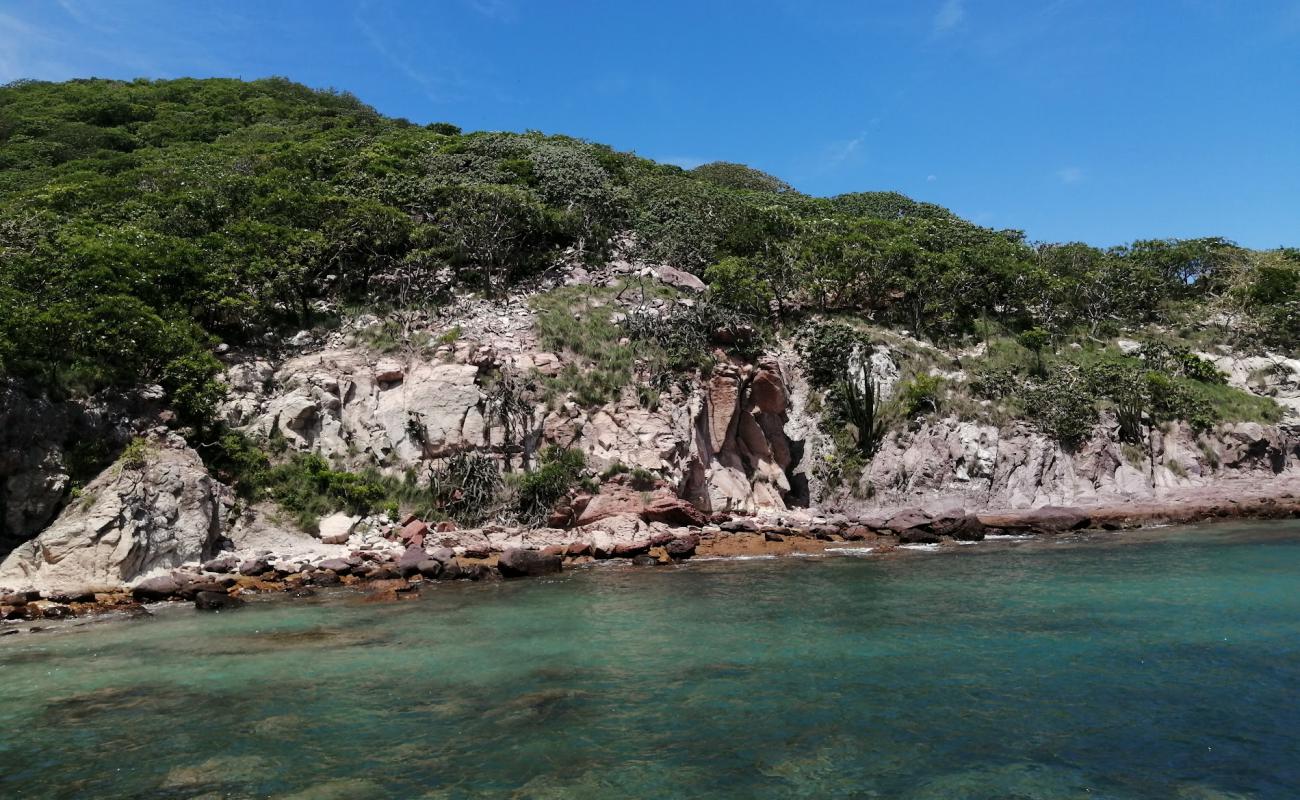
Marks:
<point>142,223</point>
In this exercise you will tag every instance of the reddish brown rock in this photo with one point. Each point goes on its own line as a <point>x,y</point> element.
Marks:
<point>576,549</point>
<point>630,549</point>
<point>767,392</point>
<point>856,533</point>
<point>673,511</point>
<point>618,500</point>
<point>413,529</point>
<point>446,526</point>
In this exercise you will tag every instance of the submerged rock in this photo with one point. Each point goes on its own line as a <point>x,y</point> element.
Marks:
<point>216,601</point>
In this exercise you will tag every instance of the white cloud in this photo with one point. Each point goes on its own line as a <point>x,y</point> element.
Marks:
<point>1069,174</point>
<point>499,10</point>
<point>951,14</point>
<point>931,178</point>
<point>839,153</point>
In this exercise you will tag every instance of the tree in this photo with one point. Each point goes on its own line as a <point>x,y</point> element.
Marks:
<point>735,284</point>
<point>739,176</point>
<point>496,232</point>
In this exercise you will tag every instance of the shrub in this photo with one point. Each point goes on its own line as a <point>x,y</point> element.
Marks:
<point>922,394</point>
<point>559,469</point>
<point>465,486</point>
<point>827,349</point>
<point>135,455</point>
<point>309,488</point>
<point>859,400</point>
<point>1062,406</point>
<point>736,285</point>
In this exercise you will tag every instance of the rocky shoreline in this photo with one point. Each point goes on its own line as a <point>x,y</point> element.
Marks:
<point>398,564</point>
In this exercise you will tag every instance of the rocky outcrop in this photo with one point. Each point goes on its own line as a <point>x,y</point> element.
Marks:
<point>43,443</point>
<point>346,404</point>
<point>741,457</point>
<point>161,511</point>
<point>1018,467</point>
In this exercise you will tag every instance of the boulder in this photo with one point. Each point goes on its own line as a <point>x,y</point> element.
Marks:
<point>958,525</point>
<point>616,501</point>
<point>324,577</point>
<point>413,529</point>
<point>158,511</point>
<point>389,371</point>
<point>451,570</point>
<point>673,511</point>
<point>645,560</point>
<point>443,554</point>
<point>918,536</point>
<point>682,547</point>
<point>630,549</point>
<point>156,588</point>
<point>336,528</point>
<point>1056,519</point>
<point>911,519</point>
<point>856,533</point>
<point>221,564</point>
<point>429,568</point>
<point>409,563</point>
<point>255,565</point>
<point>740,525</point>
<point>1046,520</point>
<point>520,563</point>
<point>679,279</point>
<point>338,566</point>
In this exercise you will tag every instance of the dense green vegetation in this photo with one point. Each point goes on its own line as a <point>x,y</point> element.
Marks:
<point>143,222</point>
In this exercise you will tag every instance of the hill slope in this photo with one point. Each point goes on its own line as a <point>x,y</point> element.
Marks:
<point>345,311</point>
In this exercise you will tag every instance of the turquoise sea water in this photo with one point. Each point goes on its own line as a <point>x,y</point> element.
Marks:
<point>1160,664</point>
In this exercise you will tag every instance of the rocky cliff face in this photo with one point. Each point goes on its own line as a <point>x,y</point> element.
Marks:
<point>740,440</point>
<point>980,466</point>
<point>159,510</point>
<point>744,439</point>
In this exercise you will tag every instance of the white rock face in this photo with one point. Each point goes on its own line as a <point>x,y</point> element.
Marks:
<point>724,442</point>
<point>343,404</point>
<point>130,520</point>
<point>1271,375</point>
<point>1019,467</point>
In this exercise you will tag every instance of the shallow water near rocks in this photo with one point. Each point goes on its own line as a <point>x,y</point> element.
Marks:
<point>1161,664</point>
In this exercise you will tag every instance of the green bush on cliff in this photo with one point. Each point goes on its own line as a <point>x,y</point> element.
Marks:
<point>557,472</point>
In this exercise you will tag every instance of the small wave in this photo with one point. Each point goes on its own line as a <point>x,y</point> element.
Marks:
<point>993,536</point>
<point>919,546</point>
<point>850,551</point>
<point>797,554</point>
<point>765,557</point>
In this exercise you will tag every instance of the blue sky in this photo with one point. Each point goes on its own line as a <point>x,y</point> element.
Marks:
<point>1092,120</point>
